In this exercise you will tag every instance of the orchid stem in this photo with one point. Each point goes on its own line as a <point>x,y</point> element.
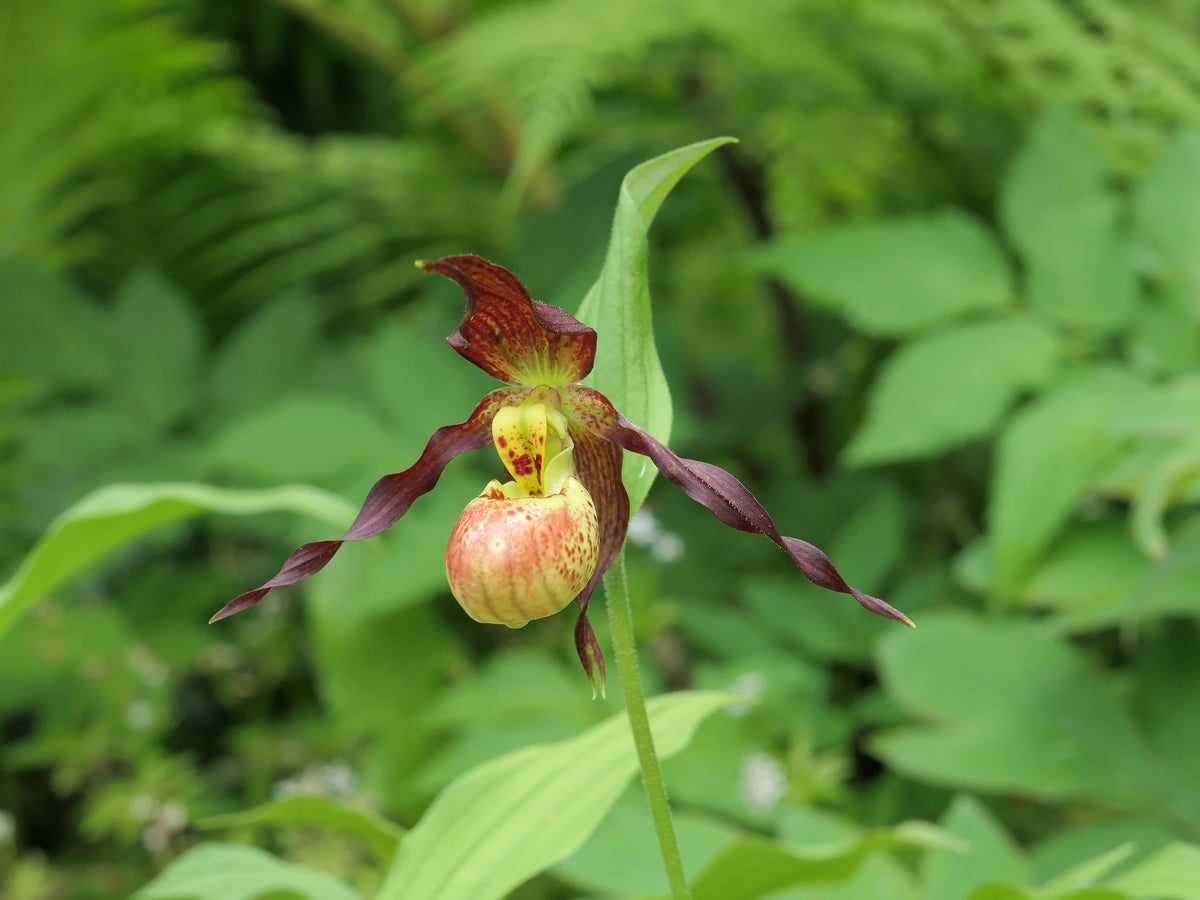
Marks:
<point>620,618</point>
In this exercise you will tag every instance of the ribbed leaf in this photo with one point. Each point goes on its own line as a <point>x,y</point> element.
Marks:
<point>507,820</point>
<point>120,513</point>
<point>627,368</point>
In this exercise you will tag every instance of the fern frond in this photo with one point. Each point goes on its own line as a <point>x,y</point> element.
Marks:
<point>252,212</point>
<point>1132,66</point>
<point>83,85</point>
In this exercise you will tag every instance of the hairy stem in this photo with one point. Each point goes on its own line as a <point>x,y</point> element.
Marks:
<point>620,617</point>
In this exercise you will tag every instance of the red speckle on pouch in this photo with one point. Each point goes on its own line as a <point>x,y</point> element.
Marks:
<point>502,441</point>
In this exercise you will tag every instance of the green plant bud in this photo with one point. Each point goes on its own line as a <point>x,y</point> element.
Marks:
<point>513,557</point>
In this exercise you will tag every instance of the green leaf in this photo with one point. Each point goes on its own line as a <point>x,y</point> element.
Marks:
<point>1171,410</point>
<point>1166,209</point>
<point>513,817</point>
<point>379,834</point>
<point>1062,214</point>
<point>1167,681</point>
<point>232,872</point>
<point>1024,712</point>
<point>1151,592</point>
<point>1046,459</point>
<point>117,514</point>
<point>1088,872</point>
<point>943,389</point>
<point>991,854</point>
<point>156,341</point>
<point>755,866</point>
<point>1090,569</point>
<point>50,330</point>
<point>265,358</point>
<point>1173,872</point>
<point>628,370</point>
<point>622,858</point>
<point>1164,484</point>
<point>899,277</point>
<point>303,437</point>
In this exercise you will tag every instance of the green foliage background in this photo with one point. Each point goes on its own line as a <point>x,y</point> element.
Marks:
<point>939,308</point>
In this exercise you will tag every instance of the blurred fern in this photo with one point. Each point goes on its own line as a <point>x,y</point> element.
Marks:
<point>83,87</point>
<point>251,212</point>
<point>1133,67</point>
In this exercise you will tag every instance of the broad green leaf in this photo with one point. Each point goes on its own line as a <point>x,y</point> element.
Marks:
<point>1061,213</point>
<point>1166,209</point>
<point>1012,892</point>
<point>156,340</point>
<point>1170,410</point>
<point>1168,681</point>
<point>756,867</point>
<point>304,437</point>
<point>628,370</point>
<point>943,389</point>
<point>1088,872</point>
<point>379,705</point>
<point>1091,568</point>
<point>379,834</point>
<point>50,330</point>
<point>1046,459</point>
<point>1162,486</point>
<point>410,372</point>
<point>233,872</point>
<point>1101,847</point>
<point>899,277</point>
<point>1024,712</point>
<point>265,358</point>
<point>1148,593</point>
<point>622,857</point>
<point>990,854</point>
<point>1173,872</point>
<point>1162,338</point>
<point>118,514</point>
<point>507,820</point>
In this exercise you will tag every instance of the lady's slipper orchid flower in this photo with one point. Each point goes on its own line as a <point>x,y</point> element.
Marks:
<point>526,549</point>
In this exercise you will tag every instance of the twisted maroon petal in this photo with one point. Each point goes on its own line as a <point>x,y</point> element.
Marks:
<point>509,335</point>
<point>390,498</point>
<point>727,498</point>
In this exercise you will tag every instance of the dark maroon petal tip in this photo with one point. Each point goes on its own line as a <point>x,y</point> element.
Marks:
<point>509,335</point>
<point>727,498</point>
<point>590,656</point>
<point>389,499</point>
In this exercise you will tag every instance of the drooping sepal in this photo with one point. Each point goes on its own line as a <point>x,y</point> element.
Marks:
<point>390,498</point>
<point>590,656</point>
<point>509,335</point>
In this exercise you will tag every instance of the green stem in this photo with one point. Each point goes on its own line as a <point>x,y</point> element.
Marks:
<point>620,618</point>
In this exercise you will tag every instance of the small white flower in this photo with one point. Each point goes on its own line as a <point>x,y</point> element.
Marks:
<point>139,715</point>
<point>339,780</point>
<point>763,782</point>
<point>644,529</point>
<point>749,684</point>
<point>142,807</point>
<point>284,788</point>
<point>173,816</point>
<point>668,548</point>
<point>155,837</point>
